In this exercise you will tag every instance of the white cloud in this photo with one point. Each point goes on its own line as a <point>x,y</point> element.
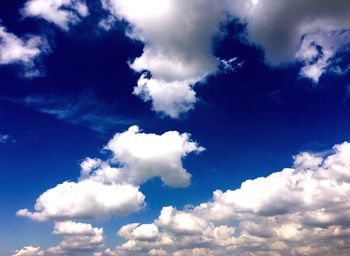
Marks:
<point>103,190</point>
<point>29,251</point>
<point>178,47</point>
<point>79,239</point>
<point>303,210</point>
<point>86,199</point>
<point>151,155</point>
<point>179,40</point>
<point>22,51</point>
<point>290,30</point>
<point>63,13</point>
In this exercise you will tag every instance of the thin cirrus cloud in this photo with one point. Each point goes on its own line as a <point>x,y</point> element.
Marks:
<point>303,210</point>
<point>24,52</point>
<point>104,190</point>
<point>84,110</point>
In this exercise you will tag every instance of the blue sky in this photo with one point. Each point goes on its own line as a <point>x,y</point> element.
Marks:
<point>166,127</point>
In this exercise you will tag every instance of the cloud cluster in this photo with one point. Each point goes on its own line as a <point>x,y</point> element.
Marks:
<point>179,39</point>
<point>107,188</point>
<point>22,51</point>
<point>78,239</point>
<point>62,13</point>
<point>302,210</point>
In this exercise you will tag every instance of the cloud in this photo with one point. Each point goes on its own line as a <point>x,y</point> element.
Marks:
<point>178,38</point>
<point>303,210</point>
<point>22,51</point>
<point>29,251</point>
<point>79,239</point>
<point>62,13</point>
<point>108,188</point>
<point>5,138</point>
<point>311,32</point>
<point>84,109</point>
<point>86,199</point>
<point>151,155</point>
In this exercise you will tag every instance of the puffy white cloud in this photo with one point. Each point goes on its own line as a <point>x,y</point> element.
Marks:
<point>22,51</point>
<point>303,210</point>
<point>178,38</point>
<point>29,251</point>
<point>60,12</point>
<point>86,199</point>
<point>104,190</point>
<point>79,239</point>
<point>151,155</point>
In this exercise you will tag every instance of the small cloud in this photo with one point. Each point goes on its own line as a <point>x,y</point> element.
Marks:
<point>6,139</point>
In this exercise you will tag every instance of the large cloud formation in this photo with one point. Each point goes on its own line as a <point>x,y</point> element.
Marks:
<point>111,187</point>
<point>179,40</point>
<point>22,51</point>
<point>302,210</point>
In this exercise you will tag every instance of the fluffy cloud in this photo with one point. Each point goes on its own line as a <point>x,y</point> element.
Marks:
<point>151,155</point>
<point>22,51</point>
<point>302,210</point>
<point>79,239</point>
<point>60,12</point>
<point>311,32</point>
<point>178,39</point>
<point>29,251</point>
<point>104,190</point>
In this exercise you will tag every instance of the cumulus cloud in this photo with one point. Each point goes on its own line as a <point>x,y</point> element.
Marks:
<point>107,188</point>
<point>151,155</point>
<point>178,39</point>
<point>311,32</point>
<point>29,251</point>
<point>62,13</point>
<point>22,51</point>
<point>79,239</point>
<point>303,210</point>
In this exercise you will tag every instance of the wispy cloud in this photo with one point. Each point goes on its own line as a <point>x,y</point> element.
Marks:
<point>5,139</point>
<point>84,109</point>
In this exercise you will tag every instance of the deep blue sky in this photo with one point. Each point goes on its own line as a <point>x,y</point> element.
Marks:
<point>251,121</point>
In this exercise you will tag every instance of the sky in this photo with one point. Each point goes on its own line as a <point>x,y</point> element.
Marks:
<point>174,127</point>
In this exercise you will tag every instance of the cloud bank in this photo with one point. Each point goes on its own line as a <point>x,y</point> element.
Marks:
<point>111,188</point>
<point>303,210</point>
